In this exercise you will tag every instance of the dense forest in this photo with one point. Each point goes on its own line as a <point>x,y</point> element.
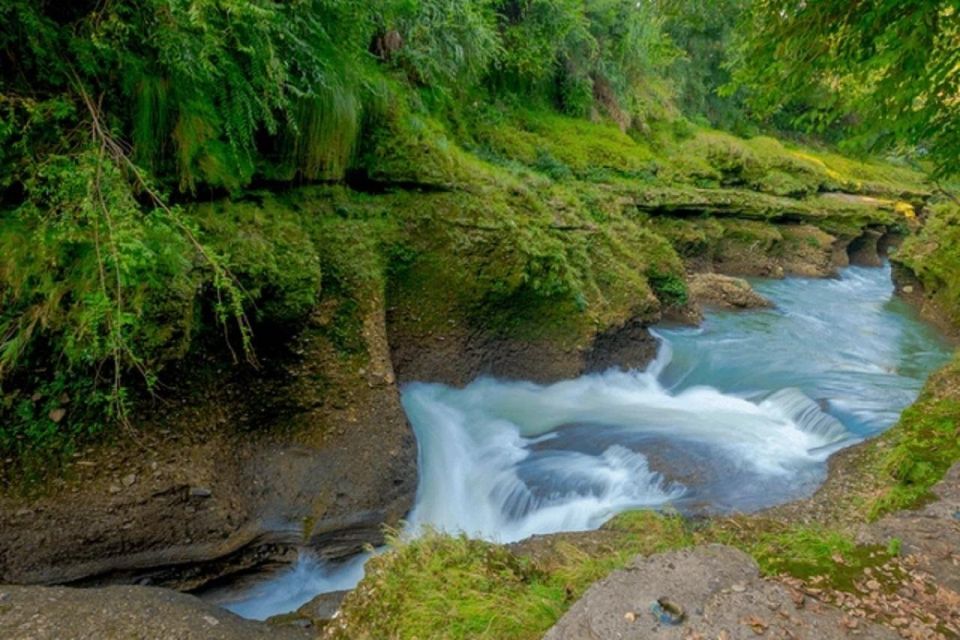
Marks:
<point>117,115</point>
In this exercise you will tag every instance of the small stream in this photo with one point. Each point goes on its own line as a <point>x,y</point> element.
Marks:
<point>738,414</point>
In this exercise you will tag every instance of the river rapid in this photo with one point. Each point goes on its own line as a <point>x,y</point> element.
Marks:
<point>738,414</point>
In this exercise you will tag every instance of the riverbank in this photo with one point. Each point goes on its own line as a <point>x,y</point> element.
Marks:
<point>479,268</point>
<point>464,267</point>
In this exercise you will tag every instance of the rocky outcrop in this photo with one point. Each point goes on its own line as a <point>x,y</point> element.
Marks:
<point>134,613</point>
<point>929,303</point>
<point>739,247</point>
<point>706,592</point>
<point>456,358</point>
<point>313,616</point>
<point>724,292</point>
<point>865,251</point>
<point>312,450</point>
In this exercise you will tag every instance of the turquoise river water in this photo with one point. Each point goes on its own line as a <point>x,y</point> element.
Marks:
<point>738,414</point>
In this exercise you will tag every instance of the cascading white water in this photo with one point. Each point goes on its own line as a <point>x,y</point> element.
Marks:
<point>506,460</point>
<point>738,414</point>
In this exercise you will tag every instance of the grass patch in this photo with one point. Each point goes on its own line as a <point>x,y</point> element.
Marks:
<point>439,586</point>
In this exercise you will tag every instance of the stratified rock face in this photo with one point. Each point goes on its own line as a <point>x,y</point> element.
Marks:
<point>458,358</point>
<point>725,292</point>
<point>313,450</point>
<point>130,613</point>
<point>706,592</point>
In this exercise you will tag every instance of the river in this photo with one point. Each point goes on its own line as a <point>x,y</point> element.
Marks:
<point>738,414</point>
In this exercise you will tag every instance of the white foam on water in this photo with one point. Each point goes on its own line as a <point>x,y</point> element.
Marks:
<point>296,586</point>
<point>477,461</point>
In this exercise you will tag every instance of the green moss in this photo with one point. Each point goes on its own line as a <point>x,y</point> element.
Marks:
<point>561,146</point>
<point>870,176</point>
<point>528,263</point>
<point>438,586</point>
<point>690,237</point>
<point>711,159</point>
<point>922,446</point>
<point>410,146</point>
<point>669,288</point>
<point>263,245</point>
<point>933,255</point>
<point>808,553</point>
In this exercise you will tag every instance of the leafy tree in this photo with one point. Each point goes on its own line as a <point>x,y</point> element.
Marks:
<point>887,70</point>
<point>704,32</point>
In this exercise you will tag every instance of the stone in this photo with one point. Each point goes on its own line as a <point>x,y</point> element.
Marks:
<point>129,479</point>
<point>200,492</point>
<point>696,587</point>
<point>124,612</point>
<point>725,292</point>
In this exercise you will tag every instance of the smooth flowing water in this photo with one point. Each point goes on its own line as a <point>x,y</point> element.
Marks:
<point>738,414</point>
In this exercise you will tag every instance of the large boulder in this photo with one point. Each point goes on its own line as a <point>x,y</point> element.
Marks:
<point>724,292</point>
<point>713,591</point>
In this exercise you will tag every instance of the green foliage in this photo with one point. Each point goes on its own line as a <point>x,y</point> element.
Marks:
<point>595,54</point>
<point>536,34</point>
<point>91,282</point>
<point>669,288</point>
<point>704,32</point>
<point>933,255</point>
<point>893,65</point>
<point>446,43</point>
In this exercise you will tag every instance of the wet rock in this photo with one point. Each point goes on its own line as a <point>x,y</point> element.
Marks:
<point>200,492</point>
<point>706,592</point>
<point>725,292</point>
<point>147,613</point>
<point>321,609</point>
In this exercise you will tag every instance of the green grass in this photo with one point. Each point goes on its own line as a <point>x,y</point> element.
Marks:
<point>439,586</point>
